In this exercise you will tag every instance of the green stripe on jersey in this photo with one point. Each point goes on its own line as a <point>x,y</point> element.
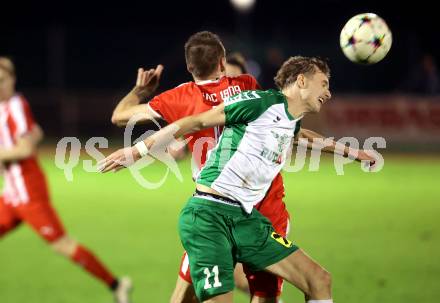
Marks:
<point>222,153</point>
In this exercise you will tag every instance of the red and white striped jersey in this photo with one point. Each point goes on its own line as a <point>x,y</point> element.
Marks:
<point>23,180</point>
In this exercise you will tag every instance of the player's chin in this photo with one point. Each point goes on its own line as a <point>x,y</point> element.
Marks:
<point>317,107</point>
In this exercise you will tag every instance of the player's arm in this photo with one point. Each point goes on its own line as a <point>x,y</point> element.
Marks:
<point>146,84</point>
<point>180,151</point>
<point>330,146</point>
<point>158,141</point>
<point>36,134</point>
<point>24,147</point>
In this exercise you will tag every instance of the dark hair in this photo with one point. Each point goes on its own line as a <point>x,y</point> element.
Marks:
<point>237,59</point>
<point>7,65</point>
<point>294,66</point>
<point>203,52</point>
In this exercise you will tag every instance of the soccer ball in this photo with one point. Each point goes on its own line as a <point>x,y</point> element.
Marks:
<point>366,39</point>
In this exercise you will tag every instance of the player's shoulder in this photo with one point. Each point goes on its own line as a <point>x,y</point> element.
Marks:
<point>242,78</point>
<point>245,81</point>
<point>268,97</point>
<point>18,101</point>
<point>180,89</point>
<point>273,95</point>
<point>177,96</point>
<point>18,108</point>
<point>184,85</point>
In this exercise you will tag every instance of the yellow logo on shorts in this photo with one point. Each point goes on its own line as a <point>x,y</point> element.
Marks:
<point>280,239</point>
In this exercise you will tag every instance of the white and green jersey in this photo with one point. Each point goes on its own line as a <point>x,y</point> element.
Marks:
<point>252,148</point>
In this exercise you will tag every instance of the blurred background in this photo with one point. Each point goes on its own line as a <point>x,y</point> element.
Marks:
<point>377,233</point>
<point>72,56</point>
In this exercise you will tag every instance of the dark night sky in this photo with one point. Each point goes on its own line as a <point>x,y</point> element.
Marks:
<point>80,46</point>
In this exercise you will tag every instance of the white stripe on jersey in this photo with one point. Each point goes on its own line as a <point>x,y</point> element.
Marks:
<point>154,113</point>
<point>216,133</point>
<point>185,264</point>
<point>17,111</point>
<point>204,82</point>
<point>19,183</point>
<point>9,192</point>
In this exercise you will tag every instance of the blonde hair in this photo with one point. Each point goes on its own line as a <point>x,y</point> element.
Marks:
<point>7,65</point>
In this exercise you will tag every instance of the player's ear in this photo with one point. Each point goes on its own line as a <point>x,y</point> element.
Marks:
<point>301,81</point>
<point>189,68</point>
<point>222,64</point>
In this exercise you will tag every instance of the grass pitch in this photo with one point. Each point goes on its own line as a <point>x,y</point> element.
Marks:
<point>378,234</point>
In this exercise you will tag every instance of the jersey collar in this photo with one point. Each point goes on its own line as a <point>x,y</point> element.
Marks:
<point>210,81</point>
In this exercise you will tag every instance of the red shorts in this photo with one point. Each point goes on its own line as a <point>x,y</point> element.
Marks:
<point>261,284</point>
<point>39,215</point>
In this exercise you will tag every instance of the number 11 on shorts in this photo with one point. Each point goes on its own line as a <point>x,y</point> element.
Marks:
<point>217,282</point>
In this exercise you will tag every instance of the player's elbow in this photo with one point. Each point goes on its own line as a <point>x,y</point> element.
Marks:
<point>38,134</point>
<point>118,120</point>
<point>115,119</point>
<point>202,124</point>
<point>302,133</point>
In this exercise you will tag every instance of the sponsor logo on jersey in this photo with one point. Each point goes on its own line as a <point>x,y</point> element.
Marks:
<point>276,156</point>
<point>278,119</point>
<point>280,239</point>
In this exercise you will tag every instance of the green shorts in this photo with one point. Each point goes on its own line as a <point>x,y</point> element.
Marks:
<point>216,236</point>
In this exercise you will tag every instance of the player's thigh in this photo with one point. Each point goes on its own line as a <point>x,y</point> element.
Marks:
<point>204,235</point>
<point>258,245</point>
<point>240,278</point>
<point>8,218</point>
<point>43,219</point>
<point>299,269</point>
<point>262,284</point>
<point>183,292</point>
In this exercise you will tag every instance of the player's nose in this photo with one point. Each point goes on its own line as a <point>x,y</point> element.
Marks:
<point>328,95</point>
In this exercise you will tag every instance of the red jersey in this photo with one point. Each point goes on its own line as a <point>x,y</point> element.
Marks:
<point>23,180</point>
<point>194,98</point>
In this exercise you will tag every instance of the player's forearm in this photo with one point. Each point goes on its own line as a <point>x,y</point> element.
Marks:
<point>174,131</point>
<point>130,100</point>
<point>157,142</point>
<point>16,153</point>
<point>315,140</point>
<point>154,145</point>
<point>160,140</point>
<point>126,107</point>
<point>177,149</point>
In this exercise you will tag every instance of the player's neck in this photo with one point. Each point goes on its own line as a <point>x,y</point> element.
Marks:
<point>294,105</point>
<point>6,98</point>
<point>212,77</point>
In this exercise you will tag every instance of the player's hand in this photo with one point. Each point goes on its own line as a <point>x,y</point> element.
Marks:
<point>363,156</point>
<point>147,81</point>
<point>118,160</point>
